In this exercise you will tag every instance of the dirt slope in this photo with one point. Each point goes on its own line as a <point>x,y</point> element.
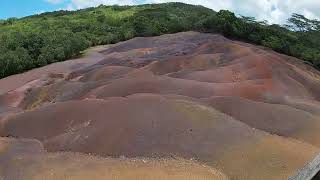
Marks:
<point>236,110</point>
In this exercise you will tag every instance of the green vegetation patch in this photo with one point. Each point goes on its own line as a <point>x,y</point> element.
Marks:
<point>39,40</point>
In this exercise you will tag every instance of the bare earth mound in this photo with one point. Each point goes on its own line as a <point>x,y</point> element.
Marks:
<point>26,159</point>
<point>180,106</point>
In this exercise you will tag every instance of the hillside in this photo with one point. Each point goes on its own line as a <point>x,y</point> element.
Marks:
<point>38,40</point>
<point>187,105</point>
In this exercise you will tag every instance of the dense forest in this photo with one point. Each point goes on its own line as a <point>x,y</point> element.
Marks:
<point>39,40</point>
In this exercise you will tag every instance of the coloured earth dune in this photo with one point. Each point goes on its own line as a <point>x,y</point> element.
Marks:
<point>179,106</point>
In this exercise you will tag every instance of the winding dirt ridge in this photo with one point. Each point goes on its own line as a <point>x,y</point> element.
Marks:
<point>179,106</point>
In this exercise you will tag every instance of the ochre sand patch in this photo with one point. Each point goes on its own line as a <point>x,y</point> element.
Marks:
<point>25,159</point>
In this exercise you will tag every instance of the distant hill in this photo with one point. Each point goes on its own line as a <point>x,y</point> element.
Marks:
<point>39,40</point>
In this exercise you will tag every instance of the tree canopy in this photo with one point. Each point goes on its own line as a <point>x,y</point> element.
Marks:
<point>38,40</point>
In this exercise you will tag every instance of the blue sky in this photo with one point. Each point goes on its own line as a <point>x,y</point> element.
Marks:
<point>20,8</point>
<point>274,11</point>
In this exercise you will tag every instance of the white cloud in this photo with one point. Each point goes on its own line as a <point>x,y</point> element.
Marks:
<point>55,1</point>
<point>277,11</point>
<point>70,7</point>
<point>274,11</point>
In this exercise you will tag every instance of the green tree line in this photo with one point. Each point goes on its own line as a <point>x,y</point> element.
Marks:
<point>39,40</point>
